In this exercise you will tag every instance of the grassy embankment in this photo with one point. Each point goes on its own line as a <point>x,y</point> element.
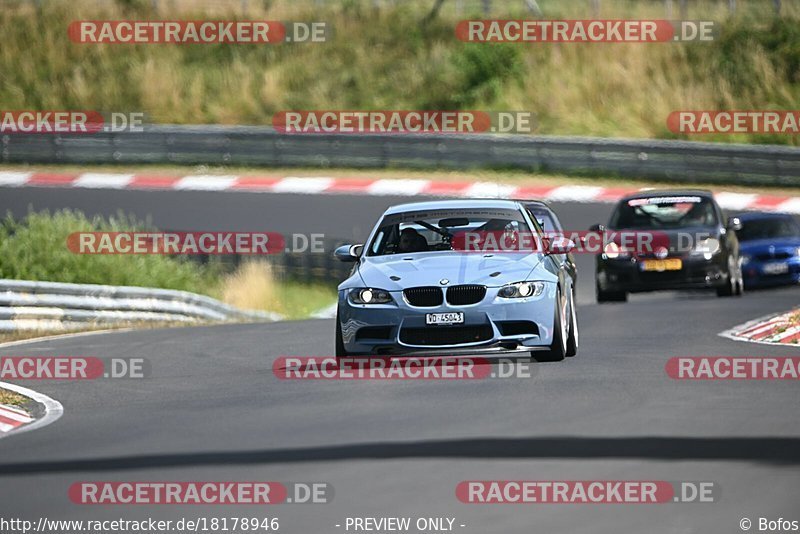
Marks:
<point>388,59</point>
<point>35,249</point>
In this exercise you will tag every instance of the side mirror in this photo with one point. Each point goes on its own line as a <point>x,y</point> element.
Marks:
<point>561,245</point>
<point>734,224</point>
<point>348,253</point>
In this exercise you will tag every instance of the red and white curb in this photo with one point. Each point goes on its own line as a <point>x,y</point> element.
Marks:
<point>15,421</point>
<point>771,330</point>
<point>12,418</point>
<point>360,186</point>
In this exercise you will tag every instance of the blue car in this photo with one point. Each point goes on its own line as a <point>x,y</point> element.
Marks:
<point>414,289</point>
<point>769,248</point>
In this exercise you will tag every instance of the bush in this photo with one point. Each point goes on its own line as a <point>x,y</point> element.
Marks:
<point>35,248</point>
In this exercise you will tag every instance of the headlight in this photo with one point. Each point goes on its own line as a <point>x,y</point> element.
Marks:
<point>614,251</point>
<point>706,247</point>
<point>746,259</point>
<point>370,296</point>
<point>521,290</point>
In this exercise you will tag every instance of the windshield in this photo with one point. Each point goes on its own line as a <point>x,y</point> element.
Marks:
<point>664,212</point>
<point>434,230</point>
<point>768,229</point>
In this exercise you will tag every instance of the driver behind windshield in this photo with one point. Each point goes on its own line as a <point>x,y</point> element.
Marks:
<point>409,232</point>
<point>412,241</point>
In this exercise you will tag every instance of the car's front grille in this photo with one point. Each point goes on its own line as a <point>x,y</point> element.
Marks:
<point>466,294</point>
<point>425,297</point>
<point>446,335</point>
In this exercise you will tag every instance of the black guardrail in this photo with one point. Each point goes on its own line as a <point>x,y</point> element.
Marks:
<point>309,266</point>
<point>673,161</point>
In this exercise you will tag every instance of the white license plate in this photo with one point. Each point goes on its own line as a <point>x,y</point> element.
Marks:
<point>444,318</point>
<point>776,268</point>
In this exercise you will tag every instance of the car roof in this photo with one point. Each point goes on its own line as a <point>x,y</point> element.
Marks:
<point>453,204</point>
<point>649,193</point>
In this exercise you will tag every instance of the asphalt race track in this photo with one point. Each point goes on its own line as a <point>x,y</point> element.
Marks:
<point>213,410</point>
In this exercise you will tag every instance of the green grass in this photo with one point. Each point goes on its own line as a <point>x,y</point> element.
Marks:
<point>388,58</point>
<point>300,299</point>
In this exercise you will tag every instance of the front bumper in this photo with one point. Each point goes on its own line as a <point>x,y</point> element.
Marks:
<point>627,275</point>
<point>763,273</point>
<point>492,325</point>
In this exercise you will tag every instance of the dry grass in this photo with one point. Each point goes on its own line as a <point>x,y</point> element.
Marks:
<point>251,287</point>
<point>10,398</point>
<point>254,286</point>
<point>382,58</point>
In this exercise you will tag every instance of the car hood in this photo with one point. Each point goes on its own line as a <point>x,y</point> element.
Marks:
<point>758,246</point>
<point>396,272</point>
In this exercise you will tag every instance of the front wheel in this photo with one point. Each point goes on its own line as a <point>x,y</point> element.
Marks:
<point>732,285</point>
<point>572,340</point>
<point>739,291</point>
<point>558,348</point>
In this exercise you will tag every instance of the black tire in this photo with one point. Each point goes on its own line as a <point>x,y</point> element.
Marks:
<point>730,287</point>
<point>726,290</point>
<point>739,290</point>
<point>558,349</point>
<point>340,350</point>
<point>574,334</point>
<point>610,296</point>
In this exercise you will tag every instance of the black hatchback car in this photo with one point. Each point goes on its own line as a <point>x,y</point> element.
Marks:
<point>699,249</point>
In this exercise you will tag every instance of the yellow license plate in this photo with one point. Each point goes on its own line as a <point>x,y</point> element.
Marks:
<point>673,264</point>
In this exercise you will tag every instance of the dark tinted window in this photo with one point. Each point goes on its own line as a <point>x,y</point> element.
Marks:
<point>664,212</point>
<point>768,229</point>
